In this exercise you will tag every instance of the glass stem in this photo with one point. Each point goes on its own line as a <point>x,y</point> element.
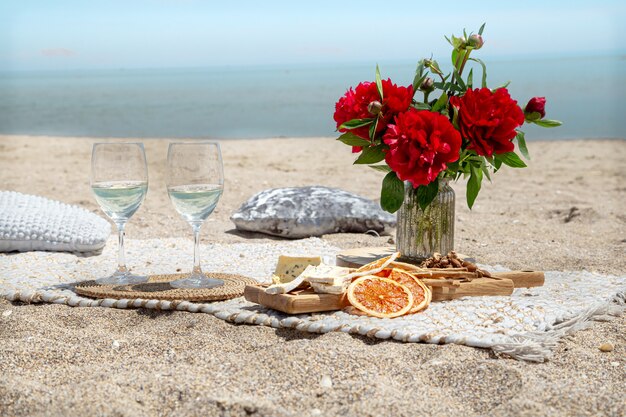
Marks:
<point>197,270</point>
<point>121,258</point>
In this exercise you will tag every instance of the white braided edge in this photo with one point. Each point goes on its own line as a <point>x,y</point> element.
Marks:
<point>532,347</point>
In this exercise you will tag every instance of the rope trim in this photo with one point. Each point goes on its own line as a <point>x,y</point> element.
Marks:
<point>531,347</point>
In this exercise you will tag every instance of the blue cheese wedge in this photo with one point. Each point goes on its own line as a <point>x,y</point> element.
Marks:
<point>290,267</point>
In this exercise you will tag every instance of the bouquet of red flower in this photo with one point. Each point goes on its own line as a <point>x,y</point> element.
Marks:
<point>463,131</point>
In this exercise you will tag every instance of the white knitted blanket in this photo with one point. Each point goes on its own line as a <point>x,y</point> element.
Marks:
<point>526,325</point>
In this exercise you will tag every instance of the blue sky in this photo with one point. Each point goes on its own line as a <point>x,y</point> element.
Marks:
<point>66,34</point>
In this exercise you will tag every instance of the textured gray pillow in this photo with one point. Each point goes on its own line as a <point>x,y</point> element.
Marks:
<point>29,223</point>
<point>310,211</point>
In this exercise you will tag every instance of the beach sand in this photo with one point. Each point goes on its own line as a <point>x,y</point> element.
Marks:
<point>565,212</point>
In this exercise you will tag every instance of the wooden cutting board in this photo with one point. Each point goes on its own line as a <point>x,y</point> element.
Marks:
<point>307,301</point>
<point>355,258</point>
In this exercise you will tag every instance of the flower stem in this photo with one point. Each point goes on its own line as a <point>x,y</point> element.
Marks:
<point>464,62</point>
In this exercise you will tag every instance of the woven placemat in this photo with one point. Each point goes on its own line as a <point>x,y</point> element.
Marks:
<point>158,288</point>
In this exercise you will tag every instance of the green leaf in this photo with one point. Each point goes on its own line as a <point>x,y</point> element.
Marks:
<point>457,58</point>
<point>480,31</point>
<point>417,82</point>
<point>373,128</point>
<point>485,170</point>
<point>497,164</point>
<point>505,85</point>
<point>452,167</point>
<point>521,141</point>
<point>427,193</point>
<point>473,185</point>
<point>459,80</point>
<point>351,139</point>
<point>371,155</point>
<point>441,102</point>
<point>511,159</point>
<point>379,83</point>
<point>470,79</point>
<point>354,123</point>
<point>421,106</point>
<point>483,82</point>
<point>548,123</point>
<point>434,64</point>
<point>532,117</point>
<point>455,117</point>
<point>391,193</point>
<point>381,168</point>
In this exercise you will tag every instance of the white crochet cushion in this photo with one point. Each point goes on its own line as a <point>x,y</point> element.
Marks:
<point>30,223</point>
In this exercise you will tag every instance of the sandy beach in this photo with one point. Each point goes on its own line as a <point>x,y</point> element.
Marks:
<point>564,212</point>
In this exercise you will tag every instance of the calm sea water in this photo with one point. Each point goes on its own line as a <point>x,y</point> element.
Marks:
<point>588,95</point>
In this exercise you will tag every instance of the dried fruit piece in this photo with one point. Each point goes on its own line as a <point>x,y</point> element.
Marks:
<point>379,264</point>
<point>380,297</point>
<point>421,293</point>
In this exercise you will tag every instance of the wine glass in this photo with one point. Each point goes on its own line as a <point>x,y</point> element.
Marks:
<point>195,180</point>
<point>119,181</point>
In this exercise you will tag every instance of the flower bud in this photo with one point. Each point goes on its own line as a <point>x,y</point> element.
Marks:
<point>475,41</point>
<point>459,43</point>
<point>427,85</point>
<point>535,109</point>
<point>374,108</point>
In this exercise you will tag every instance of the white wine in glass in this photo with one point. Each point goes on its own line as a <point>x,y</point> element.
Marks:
<point>119,181</point>
<point>195,180</point>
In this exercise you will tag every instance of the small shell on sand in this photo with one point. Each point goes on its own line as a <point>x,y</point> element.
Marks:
<point>606,347</point>
<point>326,382</point>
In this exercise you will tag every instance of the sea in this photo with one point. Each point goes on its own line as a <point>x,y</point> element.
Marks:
<point>587,94</point>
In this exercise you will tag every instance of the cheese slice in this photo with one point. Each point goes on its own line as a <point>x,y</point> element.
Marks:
<point>329,289</point>
<point>285,287</point>
<point>327,274</point>
<point>290,267</point>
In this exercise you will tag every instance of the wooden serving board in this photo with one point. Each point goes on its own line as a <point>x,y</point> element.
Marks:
<point>355,258</point>
<point>307,301</point>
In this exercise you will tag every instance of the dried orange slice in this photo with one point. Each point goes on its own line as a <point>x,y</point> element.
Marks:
<point>376,266</point>
<point>421,293</point>
<point>380,297</point>
<point>384,273</point>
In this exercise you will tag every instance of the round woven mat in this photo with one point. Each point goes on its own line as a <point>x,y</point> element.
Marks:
<point>158,288</point>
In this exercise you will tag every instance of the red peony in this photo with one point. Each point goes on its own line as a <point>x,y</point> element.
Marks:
<point>536,105</point>
<point>421,143</point>
<point>488,120</point>
<point>354,105</point>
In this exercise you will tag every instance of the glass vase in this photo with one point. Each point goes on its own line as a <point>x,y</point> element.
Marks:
<point>420,233</point>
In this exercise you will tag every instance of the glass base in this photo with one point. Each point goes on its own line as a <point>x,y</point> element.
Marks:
<point>120,278</point>
<point>197,281</point>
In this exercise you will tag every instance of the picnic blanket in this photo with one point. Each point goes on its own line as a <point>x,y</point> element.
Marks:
<point>526,325</point>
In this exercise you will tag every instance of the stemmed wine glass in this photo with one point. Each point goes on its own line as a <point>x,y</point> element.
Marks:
<point>195,180</point>
<point>119,181</point>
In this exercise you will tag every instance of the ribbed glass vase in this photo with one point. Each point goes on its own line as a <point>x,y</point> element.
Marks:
<point>420,233</point>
